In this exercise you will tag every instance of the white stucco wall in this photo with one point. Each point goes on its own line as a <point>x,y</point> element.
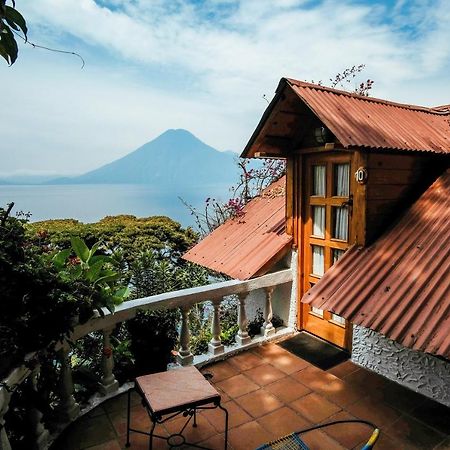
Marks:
<point>281,299</point>
<point>418,371</point>
<point>284,297</point>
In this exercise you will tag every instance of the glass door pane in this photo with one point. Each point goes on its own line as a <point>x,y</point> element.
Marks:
<point>318,260</point>
<point>337,253</point>
<point>341,184</point>
<point>340,223</point>
<point>338,319</point>
<point>319,181</point>
<point>318,216</point>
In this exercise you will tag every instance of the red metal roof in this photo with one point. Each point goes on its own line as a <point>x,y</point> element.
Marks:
<point>356,121</point>
<point>399,286</point>
<point>359,121</point>
<point>243,246</point>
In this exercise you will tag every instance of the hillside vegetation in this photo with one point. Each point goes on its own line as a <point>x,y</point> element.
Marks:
<point>128,233</point>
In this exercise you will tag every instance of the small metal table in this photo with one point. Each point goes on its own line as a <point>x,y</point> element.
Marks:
<point>166,395</point>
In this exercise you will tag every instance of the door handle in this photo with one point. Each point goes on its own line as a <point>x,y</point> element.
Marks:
<point>348,202</point>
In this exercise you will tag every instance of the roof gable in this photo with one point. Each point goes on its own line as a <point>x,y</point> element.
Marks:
<point>358,121</point>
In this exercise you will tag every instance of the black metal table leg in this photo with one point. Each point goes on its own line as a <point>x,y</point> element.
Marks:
<point>150,441</point>
<point>128,418</point>
<point>226,424</point>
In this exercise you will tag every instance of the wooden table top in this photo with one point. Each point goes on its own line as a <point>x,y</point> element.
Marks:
<point>169,391</point>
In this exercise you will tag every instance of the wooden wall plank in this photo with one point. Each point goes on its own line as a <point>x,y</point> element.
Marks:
<point>395,181</point>
<point>359,210</point>
<point>290,179</point>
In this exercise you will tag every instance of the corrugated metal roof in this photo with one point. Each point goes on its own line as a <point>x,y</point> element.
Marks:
<point>359,121</point>
<point>356,121</point>
<point>399,286</point>
<point>242,246</point>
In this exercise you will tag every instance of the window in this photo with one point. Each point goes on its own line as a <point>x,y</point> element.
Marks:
<point>318,215</point>
<point>317,311</point>
<point>337,319</point>
<point>337,253</point>
<point>318,261</point>
<point>340,223</point>
<point>319,181</point>
<point>341,183</point>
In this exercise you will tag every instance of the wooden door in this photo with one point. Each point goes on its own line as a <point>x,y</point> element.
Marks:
<point>327,212</point>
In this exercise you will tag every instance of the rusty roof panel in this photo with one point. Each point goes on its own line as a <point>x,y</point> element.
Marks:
<point>359,121</point>
<point>399,286</point>
<point>242,246</point>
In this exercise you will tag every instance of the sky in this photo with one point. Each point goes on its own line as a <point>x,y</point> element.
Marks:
<point>202,65</point>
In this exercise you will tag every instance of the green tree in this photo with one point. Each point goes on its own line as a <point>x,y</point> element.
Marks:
<point>10,21</point>
<point>125,234</point>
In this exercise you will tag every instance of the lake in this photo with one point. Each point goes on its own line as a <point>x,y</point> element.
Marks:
<point>90,203</point>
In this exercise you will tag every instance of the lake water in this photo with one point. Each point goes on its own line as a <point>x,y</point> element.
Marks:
<point>89,203</point>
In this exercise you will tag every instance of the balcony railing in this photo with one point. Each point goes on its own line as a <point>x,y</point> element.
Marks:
<point>184,299</point>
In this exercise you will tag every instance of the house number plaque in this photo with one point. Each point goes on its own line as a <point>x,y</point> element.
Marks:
<point>361,175</point>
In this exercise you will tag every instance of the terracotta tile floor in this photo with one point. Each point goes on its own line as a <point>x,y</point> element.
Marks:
<point>269,393</point>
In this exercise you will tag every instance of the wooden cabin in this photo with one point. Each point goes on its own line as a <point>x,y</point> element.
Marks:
<point>354,164</point>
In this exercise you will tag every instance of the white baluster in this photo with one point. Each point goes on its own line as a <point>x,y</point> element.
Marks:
<point>109,383</point>
<point>69,408</point>
<point>215,345</point>
<point>185,357</point>
<point>5,396</point>
<point>242,336</point>
<point>268,329</point>
<point>41,434</point>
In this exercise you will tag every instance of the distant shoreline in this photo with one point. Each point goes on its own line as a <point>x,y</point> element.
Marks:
<point>91,202</point>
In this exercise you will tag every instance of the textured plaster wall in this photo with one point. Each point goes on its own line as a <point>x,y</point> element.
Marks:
<point>284,297</point>
<point>418,371</point>
<point>280,302</point>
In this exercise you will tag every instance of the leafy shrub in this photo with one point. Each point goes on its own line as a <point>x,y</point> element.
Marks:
<point>153,273</point>
<point>229,320</point>
<point>254,326</point>
<point>200,324</point>
<point>37,306</point>
<point>199,341</point>
<point>91,275</point>
<point>154,334</point>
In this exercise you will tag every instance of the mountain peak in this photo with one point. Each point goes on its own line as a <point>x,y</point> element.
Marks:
<point>177,131</point>
<point>176,136</point>
<point>174,158</point>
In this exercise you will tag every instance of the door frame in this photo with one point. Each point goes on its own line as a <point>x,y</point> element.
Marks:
<point>303,185</point>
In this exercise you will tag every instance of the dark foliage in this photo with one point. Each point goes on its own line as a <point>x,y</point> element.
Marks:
<point>254,326</point>
<point>154,334</point>
<point>37,306</point>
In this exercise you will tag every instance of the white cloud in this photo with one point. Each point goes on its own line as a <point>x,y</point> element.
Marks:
<point>153,65</point>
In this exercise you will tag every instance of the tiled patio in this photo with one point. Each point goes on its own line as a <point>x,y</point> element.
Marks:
<point>269,393</point>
